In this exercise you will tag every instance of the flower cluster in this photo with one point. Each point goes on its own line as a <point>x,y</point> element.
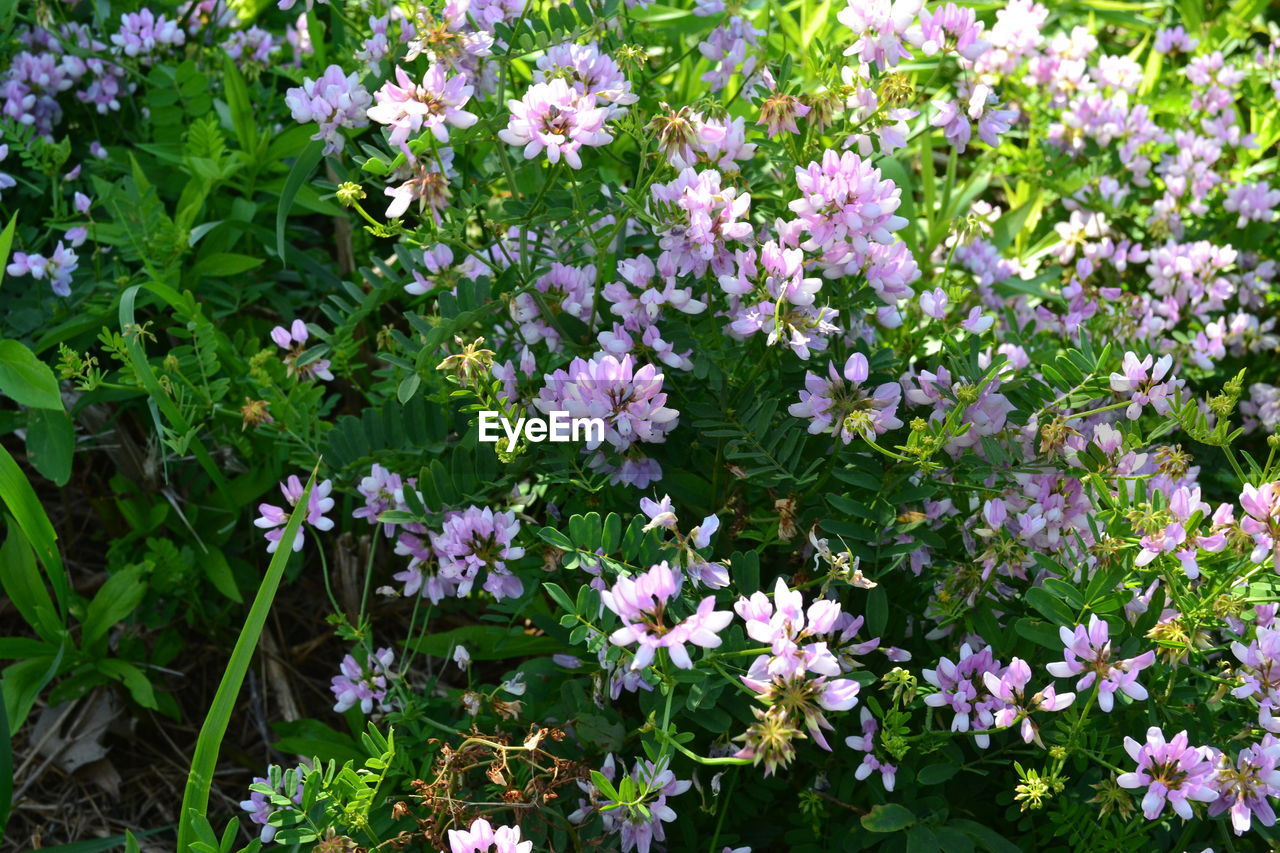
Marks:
<point>274,519</point>
<point>638,824</point>
<point>841,406</point>
<point>335,100</point>
<point>800,678</point>
<point>366,686</point>
<point>640,603</point>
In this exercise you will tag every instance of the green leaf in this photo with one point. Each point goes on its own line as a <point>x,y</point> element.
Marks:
<point>560,596</point>
<point>6,237</point>
<point>554,537</point>
<point>217,570</point>
<point>936,774</point>
<point>888,817</point>
<point>1065,592</point>
<point>988,839</point>
<point>21,684</point>
<point>306,163</point>
<point>600,732</point>
<point>118,597</point>
<point>1050,607</point>
<point>920,839</point>
<point>223,264</point>
<point>877,610</point>
<point>1040,633</point>
<point>134,680</point>
<point>604,786</point>
<point>51,442</point>
<point>6,767</point>
<point>408,387</point>
<point>25,587</point>
<point>314,738</point>
<point>26,379</point>
<point>241,110</point>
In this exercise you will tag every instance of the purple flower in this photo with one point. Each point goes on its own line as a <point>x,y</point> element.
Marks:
<point>381,491</point>
<point>7,181</point>
<point>961,687</point>
<point>640,603</point>
<point>786,306</point>
<point>572,291</point>
<point>1143,380</point>
<point>334,100</point>
<point>1172,772</point>
<point>261,805</point>
<point>638,828</point>
<point>477,539</point>
<point>293,339</point>
<point>1253,202</point>
<point>779,113</point>
<point>867,743</point>
<point>629,401</point>
<point>950,27</point>
<point>880,27</point>
<point>434,104</point>
<point>1010,688</point>
<point>1088,651</point>
<point>934,303</point>
<point>437,259</point>
<point>481,837</point>
<point>809,648</point>
<point>424,180</point>
<point>730,49</point>
<point>846,208</point>
<point>1245,789</point>
<point>364,686</point>
<point>144,34</point>
<point>955,125</point>
<point>1260,676</point>
<point>839,404</point>
<point>1173,40</point>
<point>274,519</point>
<point>251,47</point>
<point>556,118</point>
<point>699,218</point>
<point>589,71</point>
<point>1262,519</point>
<point>378,45</point>
<point>660,513</point>
<point>57,268</point>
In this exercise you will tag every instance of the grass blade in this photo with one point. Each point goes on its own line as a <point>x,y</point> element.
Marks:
<point>298,175</point>
<point>20,498</point>
<point>6,243</point>
<point>6,770</point>
<point>205,760</point>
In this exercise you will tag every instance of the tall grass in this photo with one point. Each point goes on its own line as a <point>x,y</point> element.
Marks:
<point>195,799</point>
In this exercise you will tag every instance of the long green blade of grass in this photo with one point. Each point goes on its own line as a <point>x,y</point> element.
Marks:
<point>24,506</point>
<point>6,770</point>
<point>205,759</point>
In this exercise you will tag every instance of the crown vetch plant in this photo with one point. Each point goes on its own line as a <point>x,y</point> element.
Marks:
<point>952,322</point>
